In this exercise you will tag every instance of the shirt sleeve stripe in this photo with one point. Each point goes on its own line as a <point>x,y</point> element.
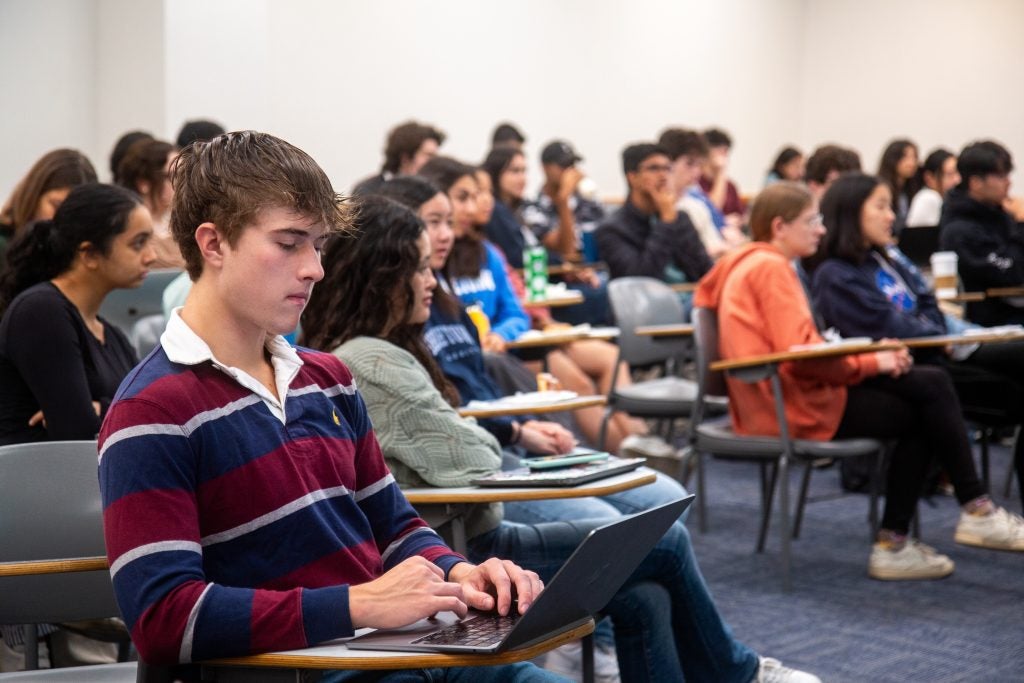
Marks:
<point>375,487</point>
<point>139,430</point>
<point>190,627</point>
<point>337,389</point>
<point>151,549</point>
<point>396,545</point>
<point>274,515</point>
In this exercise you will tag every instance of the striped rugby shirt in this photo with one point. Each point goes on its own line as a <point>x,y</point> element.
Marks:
<point>234,526</point>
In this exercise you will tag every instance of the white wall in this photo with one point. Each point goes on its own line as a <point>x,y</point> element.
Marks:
<point>333,77</point>
<point>941,72</point>
<point>46,68</point>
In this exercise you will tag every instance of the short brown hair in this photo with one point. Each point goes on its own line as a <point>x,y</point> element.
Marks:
<point>144,162</point>
<point>679,142</point>
<point>230,179</point>
<point>405,140</point>
<point>785,200</point>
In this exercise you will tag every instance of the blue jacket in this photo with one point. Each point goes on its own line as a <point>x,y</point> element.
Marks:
<point>492,290</point>
<point>866,300</point>
<point>456,347</point>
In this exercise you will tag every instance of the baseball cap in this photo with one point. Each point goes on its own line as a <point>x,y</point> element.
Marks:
<point>559,152</point>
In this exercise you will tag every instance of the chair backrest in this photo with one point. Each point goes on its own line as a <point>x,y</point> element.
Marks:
<point>640,301</point>
<point>710,383</point>
<point>123,307</point>
<point>50,509</point>
<point>146,333</point>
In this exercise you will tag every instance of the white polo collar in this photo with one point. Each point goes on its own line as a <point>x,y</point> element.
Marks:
<point>183,346</point>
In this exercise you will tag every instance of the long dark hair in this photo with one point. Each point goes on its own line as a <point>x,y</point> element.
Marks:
<point>894,151</point>
<point>841,209</point>
<point>413,192</point>
<point>497,162</point>
<point>468,253</point>
<point>786,155</point>
<point>367,290</point>
<point>91,213</point>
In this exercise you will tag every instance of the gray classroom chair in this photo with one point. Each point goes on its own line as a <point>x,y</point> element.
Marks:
<point>124,307</point>
<point>50,510</point>
<point>639,301</point>
<point>775,454</point>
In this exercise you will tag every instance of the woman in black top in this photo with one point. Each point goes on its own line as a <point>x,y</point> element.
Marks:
<point>60,363</point>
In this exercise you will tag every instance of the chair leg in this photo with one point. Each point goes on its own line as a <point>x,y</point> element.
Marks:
<point>986,435</point>
<point>603,434</point>
<point>782,470</point>
<point>702,513</point>
<point>767,494</point>
<point>875,488</point>
<point>1008,481</point>
<point>805,483</point>
<point>30,634</point>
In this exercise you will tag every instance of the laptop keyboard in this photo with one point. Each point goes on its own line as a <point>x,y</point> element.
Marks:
<point>485,629</point>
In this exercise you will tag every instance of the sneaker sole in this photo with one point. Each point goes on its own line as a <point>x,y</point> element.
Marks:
<point>964,538</point>
<point>903,575</point>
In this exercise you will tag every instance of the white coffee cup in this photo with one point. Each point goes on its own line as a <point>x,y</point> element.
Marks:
<point>944,264</point>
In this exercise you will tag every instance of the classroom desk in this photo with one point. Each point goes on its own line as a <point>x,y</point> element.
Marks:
<point>957,339</point>
<point>670,330</point>
<point>821,351</point>
<point>506,410</point>
<point>274,667</point>
<point>566,268</point>
<point>1005,292</point>
<point>33,567</point>
<point>562,337</point>
<point>570,298</point>
<point>964,297</point>
<point>683,287</point>
<point>443,505</point>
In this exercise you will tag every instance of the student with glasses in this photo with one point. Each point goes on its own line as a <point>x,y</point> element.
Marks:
<point>649,235</point>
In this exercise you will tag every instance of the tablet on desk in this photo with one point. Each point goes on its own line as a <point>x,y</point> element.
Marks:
<point>573,475</point>
<point>574,457</point>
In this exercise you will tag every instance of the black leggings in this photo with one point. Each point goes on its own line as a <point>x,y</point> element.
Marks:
<point>921,412</point>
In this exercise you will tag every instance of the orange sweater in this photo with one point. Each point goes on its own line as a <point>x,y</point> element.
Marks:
<point>763,309</point>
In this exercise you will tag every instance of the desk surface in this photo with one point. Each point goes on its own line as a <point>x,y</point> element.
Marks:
<point>561,337</point>
<point>571,298</point>
<point>34,567</point>
<point>503,410</point>
<point>494,494</point>
<point>673,330</point>
<point>823,351</point>
<point>955,339</point>
<point>335,655</point>
<point>1004,291</point>
<point>683,286</point>
<point>964,297</point>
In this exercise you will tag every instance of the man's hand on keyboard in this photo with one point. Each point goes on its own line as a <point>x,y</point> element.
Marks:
<point>410,591</point>
<point>491,585</point>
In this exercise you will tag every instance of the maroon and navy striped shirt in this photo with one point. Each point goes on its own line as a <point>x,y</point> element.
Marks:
<point>231,532</point>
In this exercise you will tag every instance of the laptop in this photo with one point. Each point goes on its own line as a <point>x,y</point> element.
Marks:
<point>583,586</point>
<point>573,475</point>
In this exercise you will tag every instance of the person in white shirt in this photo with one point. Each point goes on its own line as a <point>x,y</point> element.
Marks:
<point>939,175</point>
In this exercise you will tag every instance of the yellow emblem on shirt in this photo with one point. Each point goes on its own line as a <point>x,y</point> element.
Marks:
<point>334,414</point>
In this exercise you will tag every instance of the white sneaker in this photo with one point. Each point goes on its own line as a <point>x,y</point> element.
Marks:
<point>914,560</point>
<point>772,671</point>
<point>648,446</point>
<point>1000,530</point>
<point>567,661</point>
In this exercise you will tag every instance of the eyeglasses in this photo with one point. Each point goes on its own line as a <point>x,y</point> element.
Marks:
<point>816,220</point>
<point>655,168</point>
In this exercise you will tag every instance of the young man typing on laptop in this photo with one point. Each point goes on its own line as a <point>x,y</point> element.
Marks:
<point>247,507</point>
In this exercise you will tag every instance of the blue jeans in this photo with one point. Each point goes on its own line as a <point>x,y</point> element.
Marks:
<point>663,490</point>
<point>513,673</point>
<point>667,627</point>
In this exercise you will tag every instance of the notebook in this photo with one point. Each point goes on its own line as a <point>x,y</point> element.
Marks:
<point>573,475</point>
<point>582,587</point>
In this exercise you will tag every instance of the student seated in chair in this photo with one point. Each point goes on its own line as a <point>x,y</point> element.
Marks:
<point>247,507</point>
<point>762,308</point>
<point>667,627</point>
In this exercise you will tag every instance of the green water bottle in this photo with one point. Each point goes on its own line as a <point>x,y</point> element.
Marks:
<point>535,269</point>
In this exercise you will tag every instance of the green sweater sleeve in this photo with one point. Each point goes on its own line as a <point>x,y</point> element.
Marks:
<point>424,440</point>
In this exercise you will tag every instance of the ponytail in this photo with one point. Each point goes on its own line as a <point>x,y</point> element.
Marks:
<point>91,213</point>
<point>31,259</point>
